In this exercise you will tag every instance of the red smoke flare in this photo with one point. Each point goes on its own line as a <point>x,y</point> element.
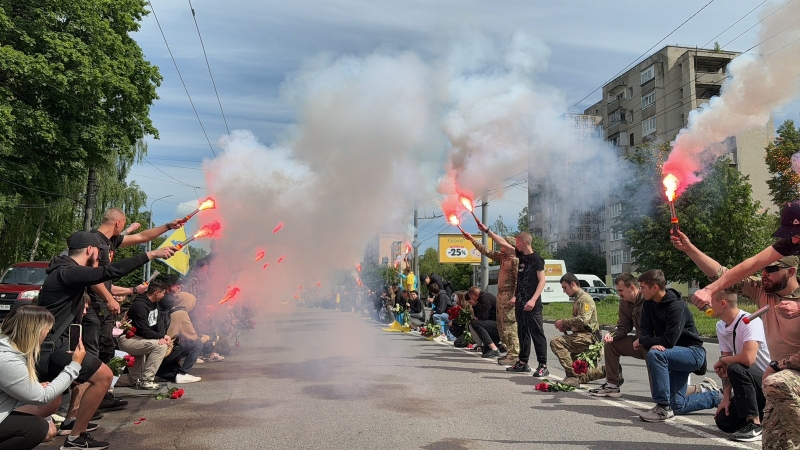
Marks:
<point>260,255</point>
<point>232,293</point>
<point>358,267</point>
<point>265,266</point>
<point>209,230</point>
<point>278,227</point>
<point>280,259</point>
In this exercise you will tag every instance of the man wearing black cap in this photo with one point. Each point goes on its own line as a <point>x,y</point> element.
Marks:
<point>62,294</point>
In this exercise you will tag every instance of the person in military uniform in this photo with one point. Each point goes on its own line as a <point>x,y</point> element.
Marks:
<point>506,285</point>
<point>585,332</point>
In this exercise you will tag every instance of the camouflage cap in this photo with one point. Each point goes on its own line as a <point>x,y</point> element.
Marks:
<point>511,240</point>
<point>787,262</point>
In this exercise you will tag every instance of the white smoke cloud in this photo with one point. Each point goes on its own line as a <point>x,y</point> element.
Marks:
<point>757,84</point>
<point>372,134</point>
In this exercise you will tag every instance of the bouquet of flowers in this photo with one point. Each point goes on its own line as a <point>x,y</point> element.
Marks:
<point>464,317</point>
<point>127,329</point>
<point>553,386</point>
<point>173,393</point>
<point>454,312</point>
<point>431,330</point>
<point>580,367</point>
<point>589,358</point>
<point>118,365</point>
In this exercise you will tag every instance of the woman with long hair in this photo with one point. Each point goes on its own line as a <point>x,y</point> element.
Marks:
<point>23,331</point>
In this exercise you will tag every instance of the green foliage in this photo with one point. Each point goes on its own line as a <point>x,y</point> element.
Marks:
<point>540,246</point>
<point>522,221</point>
<point>592,354</point>
<point>784,185</point>
<point>718,214</point>
<point>581,259</point>
<point>459,275</point>
<point>501,228</point>
<point>75,93</point>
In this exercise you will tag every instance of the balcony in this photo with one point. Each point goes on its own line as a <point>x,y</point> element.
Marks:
<point>710,78</point>
<point>614,104</point>
<point>615,127</point>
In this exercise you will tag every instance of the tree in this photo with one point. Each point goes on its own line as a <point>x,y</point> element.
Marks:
<point>523,223</point>
<point>784,185</point>
<point>501,228</point>
<point>75,96</point>
<point>582,259</point>
<point>718,214</point>
<point>459,275</point>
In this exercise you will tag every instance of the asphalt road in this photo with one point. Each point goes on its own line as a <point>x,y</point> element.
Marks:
<point>316,379</point>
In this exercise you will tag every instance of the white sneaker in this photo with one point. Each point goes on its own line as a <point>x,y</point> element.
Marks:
<point>199,361</point>
<point>182,378</point>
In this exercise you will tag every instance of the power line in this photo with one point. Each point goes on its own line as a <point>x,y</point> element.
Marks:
<point>733,24</point>
<point>165,173</point>
<point>181,77</point>
<point>165,181</point>
<point>754,25</point>
<point>209,68</point>
<point>642,55</point>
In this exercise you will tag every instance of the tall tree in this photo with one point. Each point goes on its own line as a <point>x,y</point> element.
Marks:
<point>501,228</point>
<point>718,214</point>
<point>523,224</point>
<point>784,185</point>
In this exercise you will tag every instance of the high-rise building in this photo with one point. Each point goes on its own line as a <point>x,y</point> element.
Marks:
<point>650,103</point>
<point>384,248</point>
<point>562,222</point>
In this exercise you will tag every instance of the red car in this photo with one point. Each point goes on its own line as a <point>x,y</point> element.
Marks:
<point>20,284</point>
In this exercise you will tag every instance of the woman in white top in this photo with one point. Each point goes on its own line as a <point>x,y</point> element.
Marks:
<point>23,331</point>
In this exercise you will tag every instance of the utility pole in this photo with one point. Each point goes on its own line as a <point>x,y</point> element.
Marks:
<point>415,244</point>
<point>484,241</point>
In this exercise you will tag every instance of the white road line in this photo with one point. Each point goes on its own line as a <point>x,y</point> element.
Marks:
<point>635,407</point>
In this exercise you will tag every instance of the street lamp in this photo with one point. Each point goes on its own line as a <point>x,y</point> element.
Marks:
<point>146,275</point>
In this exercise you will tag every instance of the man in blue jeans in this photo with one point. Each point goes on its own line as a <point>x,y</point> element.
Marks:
<point>674,350</point>
<point>439,302</point>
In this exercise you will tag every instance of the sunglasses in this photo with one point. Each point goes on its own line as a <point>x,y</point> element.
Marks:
<point>772,269</point>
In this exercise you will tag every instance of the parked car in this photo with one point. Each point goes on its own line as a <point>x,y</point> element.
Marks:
<point>20,284</point>
<point>600,293</point>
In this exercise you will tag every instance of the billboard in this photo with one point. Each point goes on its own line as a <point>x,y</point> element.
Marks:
<point>456,249</point>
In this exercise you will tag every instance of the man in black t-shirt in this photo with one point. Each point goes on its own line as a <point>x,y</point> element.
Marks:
<point>527,302</point>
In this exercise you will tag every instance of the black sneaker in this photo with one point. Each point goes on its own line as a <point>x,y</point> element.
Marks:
<point>541,371</point>
<point>111,403</point>
<point>502,349</point>
<point>66,429</point>
<point>84,441</point>
<point>748,433</point>
<point>97,415</point>
<point>491,354</point>
<point>519,367</point>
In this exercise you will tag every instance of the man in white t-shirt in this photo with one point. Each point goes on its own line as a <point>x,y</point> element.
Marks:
<point>744,359</point>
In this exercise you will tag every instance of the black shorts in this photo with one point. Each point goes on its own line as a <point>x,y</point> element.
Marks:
<point>60,358</point>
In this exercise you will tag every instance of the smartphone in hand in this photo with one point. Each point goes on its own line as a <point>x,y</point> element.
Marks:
<point>75,334</point>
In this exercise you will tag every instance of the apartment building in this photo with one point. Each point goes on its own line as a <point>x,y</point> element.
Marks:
<point>563,222</point>
<point>384,248</point>
<point>650,103</point>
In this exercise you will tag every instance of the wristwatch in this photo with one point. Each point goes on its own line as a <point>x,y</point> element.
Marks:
<point>774,365</point>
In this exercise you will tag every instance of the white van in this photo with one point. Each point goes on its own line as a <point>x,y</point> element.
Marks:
<point>554,269</point>
<point>588,280</point>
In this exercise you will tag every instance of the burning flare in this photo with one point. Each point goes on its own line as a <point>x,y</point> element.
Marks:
<point>208,203</point>
<point>670,186</point>
<point>232,293</point>
<point>209,230</point>
<point>260,255</point>
<point>453,219</point>
<point>358,267</point>
<point>464,200</point>
<point>277,227</point>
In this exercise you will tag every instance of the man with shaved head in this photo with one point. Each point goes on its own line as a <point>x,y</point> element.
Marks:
<point>98,322</point>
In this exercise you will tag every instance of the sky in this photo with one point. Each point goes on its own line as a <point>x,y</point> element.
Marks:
<point>255,46</point>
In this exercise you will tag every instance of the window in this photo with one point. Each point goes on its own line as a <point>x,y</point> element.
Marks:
<point>648,74</point>
<point>616,257</point>
<point>616,235</point>
<point>648,99</point>
<point>630,140</point>
<point>630,92</point>
<point>626,257</point>
<point>615,210</point>
<point>648,126</point>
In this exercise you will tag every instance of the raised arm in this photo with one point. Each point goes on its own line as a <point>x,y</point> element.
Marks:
<point>742,270</point>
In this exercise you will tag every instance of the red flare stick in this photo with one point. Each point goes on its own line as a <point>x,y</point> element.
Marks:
<point>278,227</point>
<point>260,255</point>
<point>208,203</point>
<point>758,313</point>
<point>230,295</point>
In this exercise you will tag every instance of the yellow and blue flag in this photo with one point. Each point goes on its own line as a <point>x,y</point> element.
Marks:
<point>180,260</point>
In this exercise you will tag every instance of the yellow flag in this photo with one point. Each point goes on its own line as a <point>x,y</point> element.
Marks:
<point>338,299</point>
<point>180,260</point>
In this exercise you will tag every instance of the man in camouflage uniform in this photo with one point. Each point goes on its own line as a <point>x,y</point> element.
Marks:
<point>585,332</point>
<point>779,288</point>
<point>506,285</point>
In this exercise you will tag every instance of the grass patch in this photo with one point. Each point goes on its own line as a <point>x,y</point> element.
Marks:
<point>607,314</point>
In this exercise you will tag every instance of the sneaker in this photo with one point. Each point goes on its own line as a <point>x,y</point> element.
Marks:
<point>748,433</point>
<point>57,419</point>
<point>708,385</point>
<point>502,349</point>
<point>111,403</point>
<point>507,360</point>
<point>491,354</point>
<point>148,385</point>
<point>182,378</point>
<point>541,371</point>
<point>519,367</point>
<point>200,360</point>
<point>66,429</point>
<point>657,414</point>
<point>84,441</point>
<point>97,415</point>
<point>605,391</point>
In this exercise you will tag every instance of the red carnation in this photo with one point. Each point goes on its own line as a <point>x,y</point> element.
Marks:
<point>175,396</point>
<point>544,387</point>
<point>580,367</point>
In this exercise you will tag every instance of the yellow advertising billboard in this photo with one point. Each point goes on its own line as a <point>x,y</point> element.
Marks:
<point>554,270</point>
<point>456,249</point>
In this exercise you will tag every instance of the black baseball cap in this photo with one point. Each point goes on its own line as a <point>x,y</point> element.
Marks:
<point>84,239</point>
<point>790,221</point>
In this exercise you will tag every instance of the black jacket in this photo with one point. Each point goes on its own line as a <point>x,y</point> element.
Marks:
<point>416,306</point>
<point>486,308</point>
<point>668,323</point>
<point>144,315</point>
<point>440,303</point>
<point>66,282</point>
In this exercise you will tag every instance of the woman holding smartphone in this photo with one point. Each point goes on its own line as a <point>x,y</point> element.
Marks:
<point>23,331</point>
